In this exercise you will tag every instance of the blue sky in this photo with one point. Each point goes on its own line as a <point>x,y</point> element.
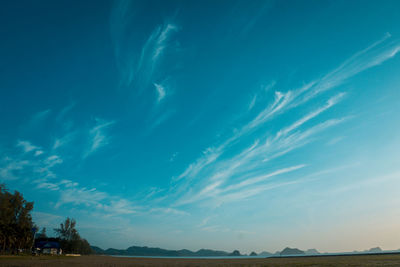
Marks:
<point>201,124</point>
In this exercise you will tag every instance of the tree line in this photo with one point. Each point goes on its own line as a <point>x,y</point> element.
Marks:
<point>18,231</point>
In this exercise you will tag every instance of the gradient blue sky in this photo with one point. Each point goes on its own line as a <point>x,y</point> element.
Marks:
<point>249,125</point>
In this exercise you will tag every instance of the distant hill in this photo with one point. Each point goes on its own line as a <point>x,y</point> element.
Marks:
<point>265,254</point>
<point>311,251</point>
<point>292,251</point>
<point>146,251</point>
<point>235,253</point>
<point>253,253</point>
<point>97,250</point>
<point>374,250</point>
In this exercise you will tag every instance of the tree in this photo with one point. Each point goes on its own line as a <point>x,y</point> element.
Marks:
<point>42,234</point>
<point>71,241</point>
<point>15,221</point>
<point>67,230</point>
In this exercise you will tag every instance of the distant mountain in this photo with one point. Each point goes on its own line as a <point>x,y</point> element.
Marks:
<point>311,251</point>
<point>253,253</point>
<point>292,251</point>
<point>235,253</point>
<point>146,251</point>
<point>209,253</point>
<point>374,250</point>
<point>97,250</point>
<point>265,254</point>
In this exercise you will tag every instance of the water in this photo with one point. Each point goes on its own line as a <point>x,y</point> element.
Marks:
<point>195,257</point>
<point>259,257</point>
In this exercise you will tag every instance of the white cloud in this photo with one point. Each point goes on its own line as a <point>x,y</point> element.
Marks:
<point>140,75</point>
<point>262,178</point>
<point>162,39</point>
<point>97,136</point>
<point>78,196</point>
<point>208,176</point>
<point>160,91</point>
<point>8,172</point>
<point>27,146</point>
<point>39,116</point>
<point>67,138</point>
<point>52,161</point>
<point>48,186</point>
<point>170,211</point>
<point>65,111</point>
<point>330,103</point>
<point>253,102</point>
<point>367,58</point>
<point>38,153</point>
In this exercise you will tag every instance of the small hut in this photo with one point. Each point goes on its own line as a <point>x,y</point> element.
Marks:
<point>49,246</point>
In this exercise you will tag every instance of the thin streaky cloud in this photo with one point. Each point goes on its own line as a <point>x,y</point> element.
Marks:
<point>372,56</point>
<point>215,190</point>
<point>284,101</point>
<point>11,166</point>
<point>64,140</point>
<point>61,115</point>
<point>330,103</point>
<point>39,116</point>
<point>260,12</point>
<point>161,119</point>
<point>151,54</point>
<point>244,194</point>
<point>38,152</point>
<point>252,159</point>
<point>162,40</point>
<point>300,139</point>
<point>253,102</point>
<point>98,136</point>
<point>160,92</point>
<point>27,146</point>
<point>335,140</point>
<point>262,178</point>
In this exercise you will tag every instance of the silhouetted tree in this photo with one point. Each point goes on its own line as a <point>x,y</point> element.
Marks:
<point>42,234</point>
<point>71,242</point>
<point>15,221</point>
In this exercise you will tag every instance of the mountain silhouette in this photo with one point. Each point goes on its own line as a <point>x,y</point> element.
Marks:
<point>147,251</point>
<point>292,251</point>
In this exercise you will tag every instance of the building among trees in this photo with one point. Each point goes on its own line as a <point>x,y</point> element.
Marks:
<point>47,246</point>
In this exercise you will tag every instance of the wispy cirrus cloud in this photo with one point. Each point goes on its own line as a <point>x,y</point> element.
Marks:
<point>98,136</point>
<point>161,92</point>
<point>216,190</point>
<point>39,116</point>
<point>151,54</point>
<point>27,146</point>
<point>11,167</point>
<point>38,168</point>
<point>64,140</point>
<point>372,56</point>
<point>81,196</point>
<point>61,115</point>
<point>42,175</point>
<point>140,73</point>
<point>209,177</point>
<point>251,159</point>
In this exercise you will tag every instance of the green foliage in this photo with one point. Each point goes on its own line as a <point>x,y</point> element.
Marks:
<point>71,242</point>
<point>42,234</point>
<point>15,222</point>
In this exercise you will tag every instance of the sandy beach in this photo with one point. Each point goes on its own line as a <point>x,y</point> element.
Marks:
<point>363,260</point>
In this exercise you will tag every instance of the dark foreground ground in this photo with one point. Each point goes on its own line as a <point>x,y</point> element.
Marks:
<point>59,261</point>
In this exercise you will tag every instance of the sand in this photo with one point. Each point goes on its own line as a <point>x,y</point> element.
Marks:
<point>95,260</point>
